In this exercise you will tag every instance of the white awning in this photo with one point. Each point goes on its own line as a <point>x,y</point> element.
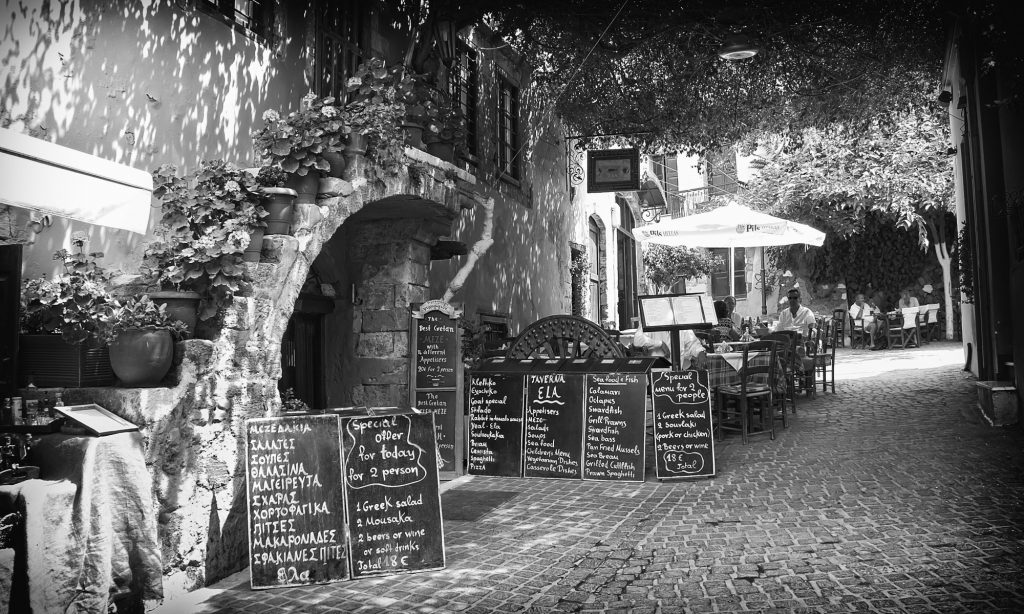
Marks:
<point>59,181</point>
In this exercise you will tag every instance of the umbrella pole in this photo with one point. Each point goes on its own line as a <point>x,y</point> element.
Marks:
<point>764,287</point>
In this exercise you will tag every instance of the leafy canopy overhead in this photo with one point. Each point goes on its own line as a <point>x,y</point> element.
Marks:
<point>650,67</point>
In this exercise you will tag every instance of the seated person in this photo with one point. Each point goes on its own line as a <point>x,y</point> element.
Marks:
<point>907,301</point>
<point>796,316</point>
<point>858,310</point>
<point>658,343</point>
<point>725,324</point>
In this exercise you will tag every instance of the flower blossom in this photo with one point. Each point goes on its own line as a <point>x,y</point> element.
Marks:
<point>271,115</point>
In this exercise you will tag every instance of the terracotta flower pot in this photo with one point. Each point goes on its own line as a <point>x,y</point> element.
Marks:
<point>255,248</point>
<point>280,205</point>
<point>337,162</point>
<point>142,356</point>
<point>356,145</point>
<point>181,306</point>
<point>413,134</point>
<point>305,187</point>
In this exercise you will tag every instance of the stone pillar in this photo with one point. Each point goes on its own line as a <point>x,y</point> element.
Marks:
<point>390,263</point>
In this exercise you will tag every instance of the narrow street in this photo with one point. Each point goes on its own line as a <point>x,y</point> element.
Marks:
<point>887,496</point>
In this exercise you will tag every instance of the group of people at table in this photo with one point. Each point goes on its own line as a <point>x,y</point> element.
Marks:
<point>693,354</point>
<point>869,313</point>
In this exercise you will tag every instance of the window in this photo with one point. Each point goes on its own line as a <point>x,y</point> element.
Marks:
<point>255,17</point>
<point>464,84</point>
<point>598,306</point>
<point>508,129</point>
<point>341,31</point>
<point>729,277</point>
<point>626,258</point>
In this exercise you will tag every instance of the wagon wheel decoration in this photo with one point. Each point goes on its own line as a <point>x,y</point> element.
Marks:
<point>564,336</point>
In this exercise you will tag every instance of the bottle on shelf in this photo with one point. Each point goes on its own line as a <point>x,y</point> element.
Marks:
<point>45,406</point>
<point>7,416</point>
<point>58,399</point>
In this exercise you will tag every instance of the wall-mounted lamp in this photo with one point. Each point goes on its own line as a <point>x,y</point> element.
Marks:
<point>444,36</point>
<point>945,96</point>
<point>738,46</point>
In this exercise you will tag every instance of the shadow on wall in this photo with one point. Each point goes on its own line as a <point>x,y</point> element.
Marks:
<point>145,83</point>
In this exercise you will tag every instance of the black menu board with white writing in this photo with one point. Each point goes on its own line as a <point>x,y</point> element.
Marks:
<point>683,442</point>
<point>437,350</point>
<point>295,504</point>
<point>496,424</point>
<point>447,419</point>
<point>436,382</point>
<point>553,429</point>
<point>391,494</point>
<point>613,448</point>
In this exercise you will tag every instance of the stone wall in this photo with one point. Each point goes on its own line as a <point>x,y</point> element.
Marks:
<point>194,428</point>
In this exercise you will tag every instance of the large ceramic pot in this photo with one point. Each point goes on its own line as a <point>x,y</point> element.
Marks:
<point>141,357</point>
<point>180,306</point>
<point>47,361</point>
<point>444,150</point>
<point>305,188</point>
<point>280,206</point>
<point>337,161</point>
<point>255,248</point>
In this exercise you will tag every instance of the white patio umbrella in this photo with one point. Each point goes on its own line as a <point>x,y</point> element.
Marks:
<point>732,225</point>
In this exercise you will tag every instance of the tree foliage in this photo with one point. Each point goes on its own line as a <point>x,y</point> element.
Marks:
<point>896,166</point>
<point>665,265</point>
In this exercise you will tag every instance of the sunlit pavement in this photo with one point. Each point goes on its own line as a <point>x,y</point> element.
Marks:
<point>887,496</point>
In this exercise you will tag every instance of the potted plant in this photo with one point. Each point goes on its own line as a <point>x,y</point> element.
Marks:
<point>60,344</point>
<point>446,130</point>
<point>302,143</point>
<point>375,113</point>
<point>141,338</point>
<point>207,220</point>
<point>278,201</point>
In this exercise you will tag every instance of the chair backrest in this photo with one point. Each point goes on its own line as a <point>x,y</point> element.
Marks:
<point>910,317</point>
<point>763,367</point>
<point>786,340</point>
<point>933,313</point>
<point>564,336</point>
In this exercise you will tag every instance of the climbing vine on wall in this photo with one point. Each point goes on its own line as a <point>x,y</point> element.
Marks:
<point>965,253</point>
<point>578,269</point>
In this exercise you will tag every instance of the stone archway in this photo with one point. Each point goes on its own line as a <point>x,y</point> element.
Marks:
<point>195,429</point>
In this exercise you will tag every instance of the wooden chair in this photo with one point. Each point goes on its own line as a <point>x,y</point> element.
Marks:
<point>825,358</point>
<point>564,336</point>
<point>859,334</point>
<point>930,323</point>
<point>791,365</point>
<point>903,332</point>
<point>737,404</point>
<point>839,322</point>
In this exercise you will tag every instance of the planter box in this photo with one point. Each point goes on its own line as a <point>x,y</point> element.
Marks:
<point>998,402</point>
<point>52,363</point>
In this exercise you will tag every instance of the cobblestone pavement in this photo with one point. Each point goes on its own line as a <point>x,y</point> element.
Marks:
<point>883,497</point>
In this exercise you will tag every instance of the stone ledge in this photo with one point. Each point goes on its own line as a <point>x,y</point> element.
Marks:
<point>421,156</point>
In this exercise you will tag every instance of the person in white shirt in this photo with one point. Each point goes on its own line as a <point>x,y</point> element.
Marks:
<point>796,316</point>
<point>658,343</point>
<point>858,310</point>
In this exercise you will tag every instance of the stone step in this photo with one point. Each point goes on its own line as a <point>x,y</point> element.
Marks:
<point>998,403</point>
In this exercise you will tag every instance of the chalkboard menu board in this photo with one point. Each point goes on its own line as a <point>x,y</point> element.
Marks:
<point>553,429</point>
<point>295,504</point>
<point>683,442</point>
<point>447,419</point>
<point>437,350</point>
<point>614,444</point>
<point>391,494</point>
<point>436,386</point>
<point>496,424</point>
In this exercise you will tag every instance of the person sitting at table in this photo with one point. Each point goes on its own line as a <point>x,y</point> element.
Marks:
<point>658,343</point>
<point>906,300</point>
<point>796,316</point>
<point>725,324</point>
<point>858,310</point>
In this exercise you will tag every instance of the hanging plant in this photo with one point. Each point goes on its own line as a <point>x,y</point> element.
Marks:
<point>579,268</point>
<point>965,254</point>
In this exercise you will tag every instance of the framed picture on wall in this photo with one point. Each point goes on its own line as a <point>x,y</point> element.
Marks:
<point>613,170</point>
